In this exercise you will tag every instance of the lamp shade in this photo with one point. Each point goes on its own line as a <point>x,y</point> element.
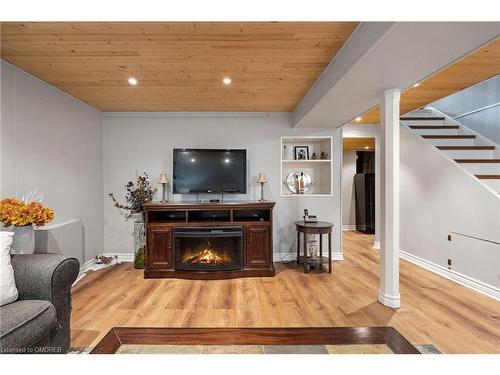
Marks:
<point>262,178</point>
<point>163,178</point>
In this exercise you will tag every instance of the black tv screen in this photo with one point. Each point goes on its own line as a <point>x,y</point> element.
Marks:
<point>210,171</point>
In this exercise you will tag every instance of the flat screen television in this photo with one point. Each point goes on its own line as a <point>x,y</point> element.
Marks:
<point>209,171</point>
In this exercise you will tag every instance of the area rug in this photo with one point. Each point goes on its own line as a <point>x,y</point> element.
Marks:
<point>255,349</point>
<point>251,349</point>
<point>318,340</point>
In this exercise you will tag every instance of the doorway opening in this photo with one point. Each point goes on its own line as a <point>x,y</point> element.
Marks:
<point>358,184</point>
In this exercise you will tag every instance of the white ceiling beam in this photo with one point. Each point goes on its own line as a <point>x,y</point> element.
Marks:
<point>382,55</point>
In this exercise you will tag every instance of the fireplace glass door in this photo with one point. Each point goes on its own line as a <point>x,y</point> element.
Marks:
<point>208,249</point>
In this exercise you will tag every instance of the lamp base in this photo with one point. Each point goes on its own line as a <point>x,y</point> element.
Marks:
<point>163,200</point>
<point>262,192</point>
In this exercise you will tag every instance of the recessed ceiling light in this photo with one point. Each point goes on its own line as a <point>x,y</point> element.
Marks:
<point>358,119</point>
<point>132,81</point>
<point>227,81</point>
<point>416,84</point>
<point>367,147</point>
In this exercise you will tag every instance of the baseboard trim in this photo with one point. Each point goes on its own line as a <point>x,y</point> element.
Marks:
<point>337,256</point>
<point>88,265</point>
<point>122,257</point>
<point>348,227</point>
<point>287,257</point>
<point>394,302</point>
<point>284,257</point>
<point>84,268</point>
<point>457,277</point>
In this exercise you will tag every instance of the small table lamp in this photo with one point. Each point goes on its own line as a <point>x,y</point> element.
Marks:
<point>163,182</point>
<point>262,179</point>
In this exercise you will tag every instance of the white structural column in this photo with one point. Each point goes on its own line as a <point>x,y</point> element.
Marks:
<point>376,243</point>
<point>337,253</point>
<point>389,197</point>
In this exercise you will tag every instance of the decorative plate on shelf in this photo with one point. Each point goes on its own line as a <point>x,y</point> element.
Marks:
<point>291,181</point>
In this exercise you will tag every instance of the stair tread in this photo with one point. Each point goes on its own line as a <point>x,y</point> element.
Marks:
<point>488,176</point>
<point>424,118</point>
<point>434,126</point>
<point>444,136</point>
<point>466,147</point>
<point>477,160</point>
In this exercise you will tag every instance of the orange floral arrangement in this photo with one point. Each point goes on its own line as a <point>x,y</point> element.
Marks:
<point>19,213</point>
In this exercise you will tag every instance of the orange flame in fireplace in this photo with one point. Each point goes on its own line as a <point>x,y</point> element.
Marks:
<point>206,256</point>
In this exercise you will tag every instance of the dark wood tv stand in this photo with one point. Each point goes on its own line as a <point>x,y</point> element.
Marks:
<point>254,218</point>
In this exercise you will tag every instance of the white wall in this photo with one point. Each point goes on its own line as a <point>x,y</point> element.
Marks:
<point>348,201</point>
<point>477,107</point>
<point>53,143</point>
<point>144,142</point>
<point>438,197</point>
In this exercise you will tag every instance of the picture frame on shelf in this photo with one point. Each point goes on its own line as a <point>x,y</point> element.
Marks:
<point>301,152</point>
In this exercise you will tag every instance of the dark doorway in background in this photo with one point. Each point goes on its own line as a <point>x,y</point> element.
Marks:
<point>364,188</point>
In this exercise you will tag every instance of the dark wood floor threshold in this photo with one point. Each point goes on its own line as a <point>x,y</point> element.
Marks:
<point>424,118</point>
<point>466,147</point>
<point>389,336</point>
<point>488,176</point>
<point>480,161</point>
<point>442,136</point>
<point>439,127</point>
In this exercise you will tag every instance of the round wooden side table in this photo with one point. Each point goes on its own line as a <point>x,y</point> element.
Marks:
<point>321,227</point>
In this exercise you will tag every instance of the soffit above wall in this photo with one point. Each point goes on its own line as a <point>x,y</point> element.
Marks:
<point>179,66</point>
<point>358,144</point>
<point>476,67</point>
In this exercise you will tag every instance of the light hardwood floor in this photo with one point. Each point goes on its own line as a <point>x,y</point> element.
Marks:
<point>434,310</point>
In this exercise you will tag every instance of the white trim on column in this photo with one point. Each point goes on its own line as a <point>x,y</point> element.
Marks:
<point>376,245</point>
<point>393,302</point>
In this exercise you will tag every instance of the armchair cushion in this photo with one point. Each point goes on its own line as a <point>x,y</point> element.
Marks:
<point>24,323</point>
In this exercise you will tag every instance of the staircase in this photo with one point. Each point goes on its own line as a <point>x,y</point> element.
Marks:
<point>473,152</point>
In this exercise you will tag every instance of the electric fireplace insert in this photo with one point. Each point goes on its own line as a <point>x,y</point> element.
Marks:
<point>208,248</point>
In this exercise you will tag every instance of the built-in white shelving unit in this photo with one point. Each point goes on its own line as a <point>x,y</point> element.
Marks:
<point>320,170</point>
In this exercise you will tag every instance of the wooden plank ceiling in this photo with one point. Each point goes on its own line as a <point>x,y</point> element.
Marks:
<point>179,66</point>
<point>358,144</point>
<point>476,67</point>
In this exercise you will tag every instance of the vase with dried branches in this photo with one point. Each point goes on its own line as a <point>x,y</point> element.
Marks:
<point>137,194</point>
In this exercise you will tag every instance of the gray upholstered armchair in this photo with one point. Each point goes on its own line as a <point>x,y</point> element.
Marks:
<point>39,321</point>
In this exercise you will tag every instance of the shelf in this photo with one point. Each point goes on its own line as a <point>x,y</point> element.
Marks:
<point>251,215</point>
<point>306,195</point>
<point>209,215</point>
<point>306,139</point>
<point>223,214</point>
<point>308,161</point>
<point>320,170</point>
<point>166,216</point>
